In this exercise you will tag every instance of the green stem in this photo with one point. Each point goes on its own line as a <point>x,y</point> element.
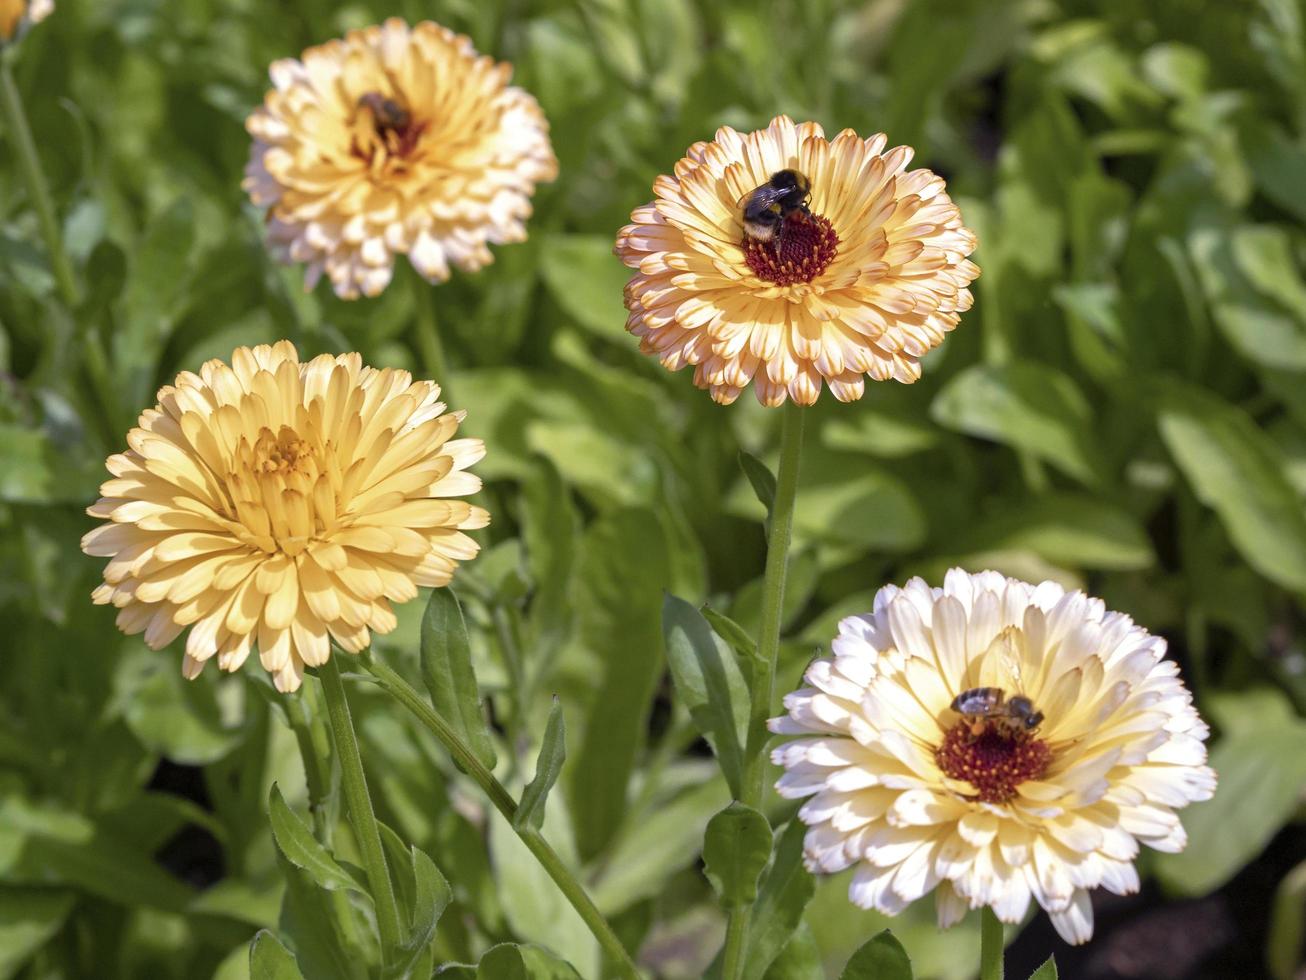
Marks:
<point>315,750</point>
<point>94,358</point>
<point>567,883</point>
<point>361,816</point>
<point>991,943</point>
<point>429,344</point>
<point>768,649</point>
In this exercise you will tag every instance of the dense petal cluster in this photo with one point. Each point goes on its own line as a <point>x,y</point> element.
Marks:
<point>864,282</point>
<point>281,505</point>
<point>394,140</point>
<point>918,798</point>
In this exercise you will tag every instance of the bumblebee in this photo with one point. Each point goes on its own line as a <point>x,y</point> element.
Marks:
<point>765,208</point>
<point>389,114</point>
<point>981,706</point>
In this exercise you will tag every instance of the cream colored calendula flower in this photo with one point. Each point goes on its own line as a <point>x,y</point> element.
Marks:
<point>992,810</point>
<point>17,14</point>
<point>862,279</point>
<point>283,505</point>
<point>395,140</point>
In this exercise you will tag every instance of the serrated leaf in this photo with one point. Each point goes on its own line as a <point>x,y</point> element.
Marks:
<point>736,848</point>
<point>710,685</point>
<point>881,958</point>
<point>1235,469</point>
<point>553,753</point>
<point>1048,971</point>
<point>447,671</point>
<point>269,960</point>
<point>302,849</point>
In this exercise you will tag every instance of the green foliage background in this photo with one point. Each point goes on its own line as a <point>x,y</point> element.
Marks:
<point>1124,409</point>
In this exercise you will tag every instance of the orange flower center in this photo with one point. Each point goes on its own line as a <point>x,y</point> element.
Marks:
<point>801,250</point>
<point>995,762</point>
<point>283,490</point>
<point>384,132</point>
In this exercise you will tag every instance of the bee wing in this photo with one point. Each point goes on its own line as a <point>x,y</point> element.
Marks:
<point>760,200</point>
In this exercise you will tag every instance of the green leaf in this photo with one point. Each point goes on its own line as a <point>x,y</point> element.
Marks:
<point>1262,769</point>
<point>447,671</point>
<point>332,939</point>
<point>1071,530</point>
<point>799,960</point>
<point>550,529</point>
<point>269,960</point>
<point>1048,971</point>
<point>785,892</point>
<point>1285,946</point>
<point>430,896</point>
<point>709,683</point>
<point>302,849</point>
<point>738,640</point>
<point>735,851</point>
<point>624,564</point>
<point>33,471</point>
<point>553,753</point>
<point>760,478</point>
<point>1235,468</point>
<point>510,961</point>
<point>1028,406</point>
<point>587,281</point>
<point>881,958</point>
<point>29,918</point>
<point>655,845</point>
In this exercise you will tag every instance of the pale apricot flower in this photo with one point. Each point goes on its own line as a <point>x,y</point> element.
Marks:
<point>281,506</point>
<point>394,141</point>
<point>17,15</point>
<point>862,282</point>
<point>1044,803</point>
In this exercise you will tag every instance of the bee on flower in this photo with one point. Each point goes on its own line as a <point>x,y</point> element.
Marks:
<point>784,260</point>
<point>995,743</point>
<point>396,140</point>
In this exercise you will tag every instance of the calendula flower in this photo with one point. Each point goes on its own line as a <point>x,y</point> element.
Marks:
<point>395,140</point>
<point>1045,790</point>
<point>16,15</point>
<point>281,505</point>
<point>859,271</point>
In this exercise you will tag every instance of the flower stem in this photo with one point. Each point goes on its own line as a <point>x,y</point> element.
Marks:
<point>567,883</point>
<point>990,945</point>
<point>768,649</point>
<point>430,346</point>
<point>315,750</point>
<point>361,816</point>
<point>29,164</point>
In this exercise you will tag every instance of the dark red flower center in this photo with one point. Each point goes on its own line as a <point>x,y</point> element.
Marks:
<point>995,761</point>
<point>801,250</point>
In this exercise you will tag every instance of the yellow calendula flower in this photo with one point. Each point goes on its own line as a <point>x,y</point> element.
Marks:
<point>18,14</point>
<point>395,140</point>
<point>858,273</point>
<point>282,505</point>
<point>992,742</point>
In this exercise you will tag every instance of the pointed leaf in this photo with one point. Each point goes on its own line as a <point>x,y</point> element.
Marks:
<point>302,849</point>
<point>735,851</point>
<point>738,640</point>
<point>710,685</point>
<point>785,892</point>
<point>760,478</point>
<point>1236,469</point>
<point>431,896</point>
<point>269,960</point>
<point>447,671</point>
<point>553,752</point>
<point>1048,971</point>
<point>882,958</point>
<point>510,961</point>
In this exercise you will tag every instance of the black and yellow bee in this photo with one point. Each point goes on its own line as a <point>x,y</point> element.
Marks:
<point>388,114</point>
<point>765,208</point>
<point>982,705</point>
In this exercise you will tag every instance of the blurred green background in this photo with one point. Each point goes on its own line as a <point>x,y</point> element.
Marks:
<point>1124,410</point>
